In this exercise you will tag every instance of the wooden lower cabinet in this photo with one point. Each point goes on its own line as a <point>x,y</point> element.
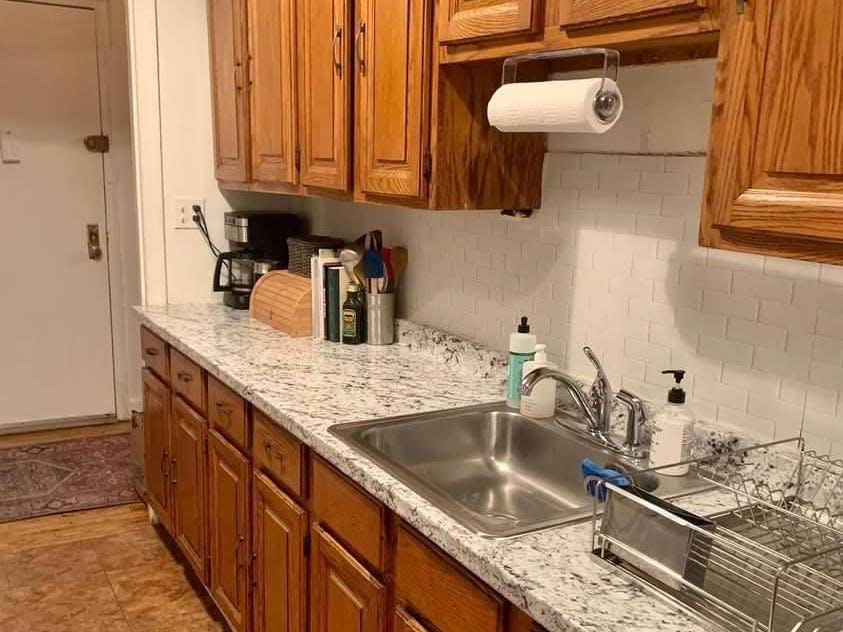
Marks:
<point>344,596</point>
<point>229,473</point>
<point>188,480</point>
<point>403,621</point>
<point>279,571</point>
<point>156,440</point>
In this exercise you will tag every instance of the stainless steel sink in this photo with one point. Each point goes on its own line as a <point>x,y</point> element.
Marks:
<point>495,471</point>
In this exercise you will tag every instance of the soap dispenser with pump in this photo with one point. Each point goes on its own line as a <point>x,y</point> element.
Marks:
<point>522,348</point>
<point>674,430</point>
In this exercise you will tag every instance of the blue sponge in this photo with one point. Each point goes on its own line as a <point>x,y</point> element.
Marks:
<point>591,472</point>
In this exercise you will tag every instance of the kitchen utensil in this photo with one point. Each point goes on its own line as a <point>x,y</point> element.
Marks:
<point>380,319</point>
<point>398,258</point>
<point>350,257</point>
<point>373,269</point>
<point>386,255</point>
<point>282,300</point>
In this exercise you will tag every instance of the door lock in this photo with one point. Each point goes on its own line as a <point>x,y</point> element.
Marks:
<point>94,247</point>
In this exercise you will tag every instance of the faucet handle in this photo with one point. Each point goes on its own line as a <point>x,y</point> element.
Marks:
<point>593,358</point>
<point>600,394</point>
<point>635,422</point>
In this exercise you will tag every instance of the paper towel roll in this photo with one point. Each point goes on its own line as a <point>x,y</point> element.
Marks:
<point>550,106</point>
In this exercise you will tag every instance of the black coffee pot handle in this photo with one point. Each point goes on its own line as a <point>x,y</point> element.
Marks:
<point>223,256</point>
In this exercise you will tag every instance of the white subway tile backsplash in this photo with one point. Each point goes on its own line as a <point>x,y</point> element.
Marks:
<point>611,260</point>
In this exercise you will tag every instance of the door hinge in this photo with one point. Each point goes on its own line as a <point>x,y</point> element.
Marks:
<point>306,545</point>
<point>427,165</point>
<point>740,6</point>
<point>297,158</point>
<point>98,144</point>
<point>205,445</point>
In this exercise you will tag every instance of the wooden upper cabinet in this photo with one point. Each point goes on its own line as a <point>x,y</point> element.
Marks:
<point>344,596</point>
<point>586,13</point>
<point>272,88</point>
<point>774,182</point>
<point>227,36</point>
<point>156,445</point>
<point>467,20</point>
<point>229,529</point>
<point>189,480</point>
<point>325,79</point>
<point>280,589</point>
<point>392,57</point>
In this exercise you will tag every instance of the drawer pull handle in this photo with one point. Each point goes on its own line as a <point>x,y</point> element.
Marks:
<point>173,464</point>
<point>224,410</point>
<point>267,445</point>
<point>187,378</point>
<point>151,351</point>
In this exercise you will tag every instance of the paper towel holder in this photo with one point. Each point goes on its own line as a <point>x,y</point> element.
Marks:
<point>607,103</point>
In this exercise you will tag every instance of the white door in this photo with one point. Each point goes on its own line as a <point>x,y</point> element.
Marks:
<point>56,358</point>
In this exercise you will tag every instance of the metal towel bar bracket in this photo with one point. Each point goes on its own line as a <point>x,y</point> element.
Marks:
<point>607,101</point>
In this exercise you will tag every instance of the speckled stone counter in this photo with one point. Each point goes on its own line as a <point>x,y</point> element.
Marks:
<point>306,386</point>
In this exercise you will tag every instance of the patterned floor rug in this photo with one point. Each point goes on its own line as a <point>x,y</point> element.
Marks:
<point>69,475</point>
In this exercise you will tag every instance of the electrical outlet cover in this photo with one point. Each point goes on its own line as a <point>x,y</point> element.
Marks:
<point>181,217</point>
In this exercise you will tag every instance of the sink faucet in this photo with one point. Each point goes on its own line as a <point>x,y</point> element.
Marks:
<point>597,406</point>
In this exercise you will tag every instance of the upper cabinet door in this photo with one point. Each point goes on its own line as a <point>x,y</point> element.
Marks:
<point>227,36</point>
<point>325,92</point>
<point>392,57</point>
<point>775,171</point>
<point>466,20</point>
<point>585,13</point>
<point>272,83</point>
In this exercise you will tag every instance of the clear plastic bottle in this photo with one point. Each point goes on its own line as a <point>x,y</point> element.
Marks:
<point>674,431</point>
<point>541,403</point>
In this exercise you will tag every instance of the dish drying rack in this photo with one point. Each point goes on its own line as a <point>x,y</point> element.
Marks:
<point>771,562</point>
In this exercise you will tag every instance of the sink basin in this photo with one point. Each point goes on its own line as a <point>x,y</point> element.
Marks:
<point>498,473</point>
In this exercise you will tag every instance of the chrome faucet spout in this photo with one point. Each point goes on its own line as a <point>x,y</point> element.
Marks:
<point>534,377</point>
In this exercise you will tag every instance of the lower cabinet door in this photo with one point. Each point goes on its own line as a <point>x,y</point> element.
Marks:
<point>279,589</point>
<point>229,529</point>
<point>188,479</point>
<point>344,596</point>
<point>403,621</point>
<point>156,446</point>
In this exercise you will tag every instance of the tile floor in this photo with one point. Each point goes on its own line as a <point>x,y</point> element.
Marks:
<point>105,570</point>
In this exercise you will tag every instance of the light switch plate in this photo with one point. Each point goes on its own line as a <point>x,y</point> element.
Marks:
<point>181,217</point>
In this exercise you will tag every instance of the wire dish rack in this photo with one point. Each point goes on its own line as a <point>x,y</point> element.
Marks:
<point>772,561</point>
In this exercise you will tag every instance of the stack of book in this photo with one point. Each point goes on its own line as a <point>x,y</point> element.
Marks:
<point>330,287</point>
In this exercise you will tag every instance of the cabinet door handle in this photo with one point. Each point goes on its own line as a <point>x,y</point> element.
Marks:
<point>238,547</point>
<point>165,459</point>
<point>151,351</point>
<point>361,51</point>
<point>337,55</point>
<point>267,445</point>
<point>187,378</point>
<point>238,82</point>
<point>173,470</point>
<point>223,409</point>
<point>740,6</point>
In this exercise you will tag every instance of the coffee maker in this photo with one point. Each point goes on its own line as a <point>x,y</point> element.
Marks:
<point>258,244</point>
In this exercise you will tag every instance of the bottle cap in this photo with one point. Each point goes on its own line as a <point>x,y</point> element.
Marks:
<point>523,328</point>
<point>677,393</point>
<point>353,287</point>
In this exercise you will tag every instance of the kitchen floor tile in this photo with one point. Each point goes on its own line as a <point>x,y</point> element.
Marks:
<point>53,564</point>
<point>138,548</point>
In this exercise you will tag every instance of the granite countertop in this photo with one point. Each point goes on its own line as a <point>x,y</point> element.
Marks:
<point>306,386</point>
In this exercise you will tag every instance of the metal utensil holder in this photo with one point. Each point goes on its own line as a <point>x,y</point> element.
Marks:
<point>606,103</point>
<point>774,561</point>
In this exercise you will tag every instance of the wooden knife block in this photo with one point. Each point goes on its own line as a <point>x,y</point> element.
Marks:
<point>283,300</point>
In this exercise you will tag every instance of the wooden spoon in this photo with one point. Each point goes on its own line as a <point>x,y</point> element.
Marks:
<point>399,256</point>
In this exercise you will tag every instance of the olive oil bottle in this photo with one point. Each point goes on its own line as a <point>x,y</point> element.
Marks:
<point>352,316</point>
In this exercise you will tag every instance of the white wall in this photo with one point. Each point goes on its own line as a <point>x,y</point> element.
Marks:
<point>611,260</point>
<point>175,150</point>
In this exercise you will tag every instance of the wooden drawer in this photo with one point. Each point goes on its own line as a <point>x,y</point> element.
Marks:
<point>188,380</point>
<point>441,592</point>
<point>350,513</point>
<point>277,453</point>
<point>227,413</point>
<point>155,356</point>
